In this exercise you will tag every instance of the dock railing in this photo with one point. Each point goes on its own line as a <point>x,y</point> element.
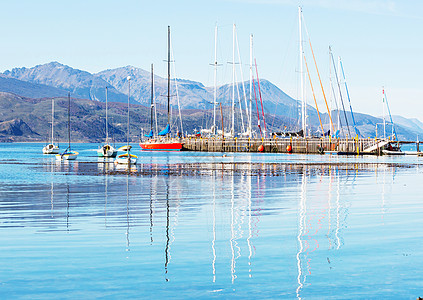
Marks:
<point>281,145</point>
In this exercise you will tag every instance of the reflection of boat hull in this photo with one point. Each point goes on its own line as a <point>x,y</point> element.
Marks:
<point>167,145</point>
<point>51,149</point>
<point>72,155</point>
<point>107,151</point>
<point>123,159</point>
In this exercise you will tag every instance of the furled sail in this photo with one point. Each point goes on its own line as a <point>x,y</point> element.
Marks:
<point>150,135</point>
<point>165,131</point>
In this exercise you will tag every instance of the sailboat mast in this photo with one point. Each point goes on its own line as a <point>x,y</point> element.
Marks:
<point>168,75</point>
<point>215,80</point>
<point>52,119</point>
<point>250,127</point>
<point>348,96</point>
<point>152,98</point>
<point>107,125</point>
<point>303,103</point>
<point>233,81</point>
<point>129,96</point>
<point>383,113</point>
<point>69,122</point>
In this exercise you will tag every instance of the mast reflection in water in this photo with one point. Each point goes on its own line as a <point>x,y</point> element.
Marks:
<point>218,228</point>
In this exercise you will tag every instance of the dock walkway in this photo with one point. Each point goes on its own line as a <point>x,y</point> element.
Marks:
<point>285,145</point>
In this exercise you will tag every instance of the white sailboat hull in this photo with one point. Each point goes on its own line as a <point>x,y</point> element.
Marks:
<point>51,149</point>
<point>392,152</point>
<point>107,151</point>
<point>67,156</point>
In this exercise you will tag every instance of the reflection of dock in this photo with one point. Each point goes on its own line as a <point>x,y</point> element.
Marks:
<point>295,145</point>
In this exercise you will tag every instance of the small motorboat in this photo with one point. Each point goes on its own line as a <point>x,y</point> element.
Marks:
<point>392,150</point>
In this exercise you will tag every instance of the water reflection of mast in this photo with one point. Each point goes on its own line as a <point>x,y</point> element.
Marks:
<point>105,199</point>
<point>338,208</point>
<point>52,192</point>
<point>330,207</point>
<point>127,210</point>
<point>232,230</point>
<point>249,222</point>
<point>383,193</point>
<point>67,207</point>
<point>167,255</point>
<point>301,230</point>
<point>214,227</point>
<point>151,209</point>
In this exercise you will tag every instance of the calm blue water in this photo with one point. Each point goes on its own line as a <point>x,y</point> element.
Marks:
<point>200,225</point>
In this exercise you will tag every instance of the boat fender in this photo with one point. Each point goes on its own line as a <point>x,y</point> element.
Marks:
<point>289,149</point>
<point>260,148</point>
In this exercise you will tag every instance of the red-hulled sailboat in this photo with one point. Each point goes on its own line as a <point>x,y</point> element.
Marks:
<point>163,142</point>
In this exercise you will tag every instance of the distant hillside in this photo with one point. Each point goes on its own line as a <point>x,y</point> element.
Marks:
<point>25,119</point>
<point>33,118</point>
<point>27,89</point>
<point>81,84</point>
<point>192,95</point>
<point>196,101</point>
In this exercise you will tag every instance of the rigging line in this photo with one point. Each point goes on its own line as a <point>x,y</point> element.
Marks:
<point>176,88</point>
<point>242,76</point>
<point>258,114</point>
<point>340,93</point>
<point>261,101</point>
<point>318,73</point>
<point>274,115</point>
<point>314,96</point>
<point>155,115</point>
<point>333,91</point>
<point>349,100</point>
<point>240,104</point>
<point>390,116</point>
<point>321,85</point>
<point>337,107</point>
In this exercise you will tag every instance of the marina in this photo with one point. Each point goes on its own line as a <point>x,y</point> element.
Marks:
<point>259,150</point>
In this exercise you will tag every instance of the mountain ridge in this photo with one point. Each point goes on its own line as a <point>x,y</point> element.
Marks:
<point>56,80</point>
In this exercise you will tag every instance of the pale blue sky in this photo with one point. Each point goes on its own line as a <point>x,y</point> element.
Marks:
<point>379,41</point>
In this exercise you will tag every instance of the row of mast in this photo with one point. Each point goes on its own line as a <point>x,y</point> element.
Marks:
<point>248,110</point>
<point>215,65</point>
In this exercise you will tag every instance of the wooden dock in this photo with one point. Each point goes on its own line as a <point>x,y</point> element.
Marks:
<point>286,145</point>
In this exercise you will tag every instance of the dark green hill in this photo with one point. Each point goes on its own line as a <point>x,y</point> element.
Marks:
<point>26,119</point>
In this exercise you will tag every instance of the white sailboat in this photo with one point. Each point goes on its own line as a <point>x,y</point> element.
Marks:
<point>68,154</point>
<point>51,148</point>
<point>127,158</point>
<point>106,150</point>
